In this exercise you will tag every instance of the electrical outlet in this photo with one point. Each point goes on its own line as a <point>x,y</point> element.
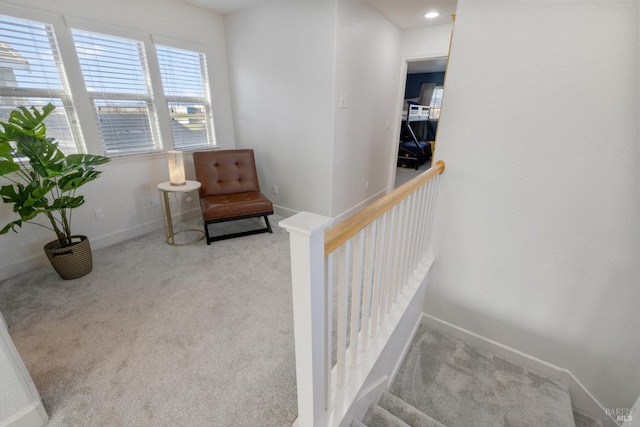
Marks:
<point>276,190</point>
<point>99,213</point>
<point>343,101</point>
<point>366,185</point>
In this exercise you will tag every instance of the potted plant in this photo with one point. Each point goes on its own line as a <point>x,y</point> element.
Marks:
<point>43,181</point>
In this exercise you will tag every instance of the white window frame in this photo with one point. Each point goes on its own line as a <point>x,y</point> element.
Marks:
<point>64,94</point>
<point>436,107</point>
<point>206,100</point>
<point>142,40</point>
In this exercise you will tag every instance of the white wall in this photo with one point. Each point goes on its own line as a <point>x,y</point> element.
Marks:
<point>13,397</point>
<point>127,189</point>
<point>539,208</point>
<point>281,57</point>
<point>367,72</point>
<point>428,42</point>
<point>20,403</point>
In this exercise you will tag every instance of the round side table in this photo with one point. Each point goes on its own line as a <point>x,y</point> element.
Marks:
<point>166,188</point>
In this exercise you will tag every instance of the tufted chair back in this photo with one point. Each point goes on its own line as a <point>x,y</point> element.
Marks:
<point>226,172</point>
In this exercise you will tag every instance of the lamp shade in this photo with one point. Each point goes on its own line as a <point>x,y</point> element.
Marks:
<point>176,168</point>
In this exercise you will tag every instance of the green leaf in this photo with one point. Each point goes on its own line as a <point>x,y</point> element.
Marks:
<point>31,196</point>
<point>28,213</point>
<point>31,120</point>
<point>86,161</point>
<point>67,202</point>
<point>9,194</point>
<point>44,156</point>
<point>73,181</point>
<point>6,151</point>
<point>6,167</point>
<point>11,226</point>
<point>24,123</point>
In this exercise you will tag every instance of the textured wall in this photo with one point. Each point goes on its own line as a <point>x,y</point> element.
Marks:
<point>538,238</point>
<point>367,73</point>
<point>281,57</point>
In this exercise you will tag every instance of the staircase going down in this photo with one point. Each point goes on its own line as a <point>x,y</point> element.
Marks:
<point>444,382</point>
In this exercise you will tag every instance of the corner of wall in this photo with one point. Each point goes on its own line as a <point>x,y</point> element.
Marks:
<point>33,415</point>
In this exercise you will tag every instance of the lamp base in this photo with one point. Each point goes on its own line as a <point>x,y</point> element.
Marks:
<point>179,183</point>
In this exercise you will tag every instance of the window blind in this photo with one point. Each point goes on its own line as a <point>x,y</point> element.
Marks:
<point>116,76</point>
<point>186,88</point>
<point>32,74</point>
<point>436,103</point>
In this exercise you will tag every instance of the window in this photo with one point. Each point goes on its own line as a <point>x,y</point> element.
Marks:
<point>31,73</point>
<point>436,103</point>
<point>184,79</point>
<point>116,76</point>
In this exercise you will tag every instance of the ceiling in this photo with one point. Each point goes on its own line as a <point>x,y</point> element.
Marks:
<point>409,14</point>
<point>223,6</point>
<point>405,14</point>
<point>428,66</point>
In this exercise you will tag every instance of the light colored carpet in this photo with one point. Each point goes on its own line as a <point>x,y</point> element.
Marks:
<point>584,420</point>
<point>460,386</point>
<point>159,335</point>
<point>404,174</point>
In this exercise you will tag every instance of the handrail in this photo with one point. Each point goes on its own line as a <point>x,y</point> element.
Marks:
<point>339,234</point>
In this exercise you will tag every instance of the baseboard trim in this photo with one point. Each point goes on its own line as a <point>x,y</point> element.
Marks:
<point>288,212</point>
<point>581,399</point>
<point>283,211</point>
<point>349,212</point>
<point>33,415</point>
<point>98,242</point>
<point>3,321</point>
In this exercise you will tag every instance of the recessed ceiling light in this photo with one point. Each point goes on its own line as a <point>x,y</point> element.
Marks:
<point>432,15</point>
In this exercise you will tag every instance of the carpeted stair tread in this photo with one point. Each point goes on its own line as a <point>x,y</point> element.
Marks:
<point>407,413</point>
<point>584,420</point>
<point>462,386</point>
<point>357,423</point>
<point>377,416</point>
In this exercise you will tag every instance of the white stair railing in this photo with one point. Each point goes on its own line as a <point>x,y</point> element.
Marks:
<point>366,269</point>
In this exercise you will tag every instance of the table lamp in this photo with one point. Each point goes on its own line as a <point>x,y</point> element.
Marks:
<point>176,168</point>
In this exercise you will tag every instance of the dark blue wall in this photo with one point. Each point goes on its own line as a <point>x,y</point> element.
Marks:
<point>412,88</point>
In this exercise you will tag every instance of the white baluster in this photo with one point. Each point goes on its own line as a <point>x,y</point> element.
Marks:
<point>377,273</point>
<point>356,289</point>
<point>367,283</point>
<point>343,296</point>
<point>329,262</point>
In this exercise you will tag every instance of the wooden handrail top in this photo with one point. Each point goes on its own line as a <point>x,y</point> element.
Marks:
<point>340,233</point>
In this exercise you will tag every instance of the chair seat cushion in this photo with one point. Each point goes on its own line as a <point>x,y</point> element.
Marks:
<point>236,204</point>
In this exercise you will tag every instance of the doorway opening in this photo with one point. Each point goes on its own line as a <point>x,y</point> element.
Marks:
<point>422,100</point>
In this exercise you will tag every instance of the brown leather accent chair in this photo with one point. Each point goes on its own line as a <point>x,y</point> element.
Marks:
<point>230,190</point>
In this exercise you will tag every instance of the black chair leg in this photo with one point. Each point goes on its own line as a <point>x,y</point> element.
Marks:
<point>266,220</point>
<point>206,233</point>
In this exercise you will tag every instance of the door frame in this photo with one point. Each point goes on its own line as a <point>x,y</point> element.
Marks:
<point>397,122</point>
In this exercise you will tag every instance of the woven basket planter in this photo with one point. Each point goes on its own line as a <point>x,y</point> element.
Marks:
<point>72,261</point>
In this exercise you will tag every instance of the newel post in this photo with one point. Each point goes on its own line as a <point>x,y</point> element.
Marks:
<point>306,237</point>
